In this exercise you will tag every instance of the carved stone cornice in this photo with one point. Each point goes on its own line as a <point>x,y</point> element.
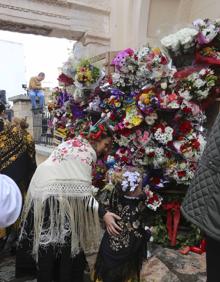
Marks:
<point>89,38</point>
<point>24,28</point>
<point>36,12</point>
<point>74,3</point>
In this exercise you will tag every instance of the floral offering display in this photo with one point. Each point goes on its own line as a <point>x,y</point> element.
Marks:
<point>208,30</point>
<point>181,46</point>
<point>86,75</point>
<point>153,102</point>
<point>181,41</point>
<point>208,44</point>
<point>197,85</point>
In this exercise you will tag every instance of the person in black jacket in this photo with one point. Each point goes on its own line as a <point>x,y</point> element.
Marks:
<point>201,205</point>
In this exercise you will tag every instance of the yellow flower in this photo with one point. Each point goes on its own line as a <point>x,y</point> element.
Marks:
<point>156,51</point>
<point>145,97</point>
<point>29,138</point>
<point>136,120</point>
<point>133,116</point>
<point>128,109</point>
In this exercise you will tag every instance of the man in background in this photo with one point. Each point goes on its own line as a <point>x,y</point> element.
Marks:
<point>35,90</point>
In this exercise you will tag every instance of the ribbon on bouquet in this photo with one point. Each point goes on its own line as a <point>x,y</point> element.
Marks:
<point>173,219</point>
<point>198,250</point>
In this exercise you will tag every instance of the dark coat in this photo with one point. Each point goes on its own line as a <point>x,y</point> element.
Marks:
<point>201,205</point>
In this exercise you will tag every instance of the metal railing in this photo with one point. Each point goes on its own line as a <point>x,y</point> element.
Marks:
<point>42,129</point>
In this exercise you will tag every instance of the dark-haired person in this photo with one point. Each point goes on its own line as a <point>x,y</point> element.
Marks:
<point>35,90</point>
<point>28,138</point>
<point>15,162</point>
<point>60,215</point>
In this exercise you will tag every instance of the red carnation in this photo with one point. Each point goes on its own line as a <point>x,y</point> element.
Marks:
<point>180,138</point>
<point>124,159</point>
<point>187,110</point>
<point>122,150</point>
<point>110,80</point>
<point>195,144</point>
<point>184,147</point>
<point>101,127</point>
<point>65,79</point>
<point>155,180</point>
<point>181,173</point>
<point>135,57</point>
<point>153,199</point>
<point>168,155</point>
<point>125,132</point>
<point>112,117</point>
<point>159,126</point>
<point>185,127</point>
<point>130,52</point>
<point>163,60</point>
<point>170,144</point>
<point>151,155</point>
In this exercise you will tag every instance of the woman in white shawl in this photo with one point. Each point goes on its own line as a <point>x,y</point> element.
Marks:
<point>60,216</point>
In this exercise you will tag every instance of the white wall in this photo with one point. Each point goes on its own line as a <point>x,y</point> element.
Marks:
<point>12,67</point>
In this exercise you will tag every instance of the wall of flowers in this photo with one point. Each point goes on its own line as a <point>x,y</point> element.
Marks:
<point>155,103</point>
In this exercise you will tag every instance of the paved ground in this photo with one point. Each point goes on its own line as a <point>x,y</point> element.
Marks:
<point>165,265</point>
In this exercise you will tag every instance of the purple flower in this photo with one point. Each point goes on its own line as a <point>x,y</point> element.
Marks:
<point>77,111</point>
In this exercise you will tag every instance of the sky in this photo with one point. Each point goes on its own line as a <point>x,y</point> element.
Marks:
<point>41,54</point>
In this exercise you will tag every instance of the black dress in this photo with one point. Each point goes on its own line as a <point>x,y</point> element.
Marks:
<point>55,263</point>
<point>120,257</point>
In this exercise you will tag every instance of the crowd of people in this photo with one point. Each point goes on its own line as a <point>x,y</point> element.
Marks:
<point>61,209</point>
<point>60,224</point>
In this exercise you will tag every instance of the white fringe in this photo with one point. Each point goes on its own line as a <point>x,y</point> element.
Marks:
<point>75,217</point>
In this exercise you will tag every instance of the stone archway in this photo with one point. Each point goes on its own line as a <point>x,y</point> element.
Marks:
<point>85,21</point>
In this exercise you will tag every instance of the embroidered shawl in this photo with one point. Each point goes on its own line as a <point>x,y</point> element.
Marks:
<point>63,183</point>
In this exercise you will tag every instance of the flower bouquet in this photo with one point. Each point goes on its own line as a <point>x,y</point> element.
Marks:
<point>181,46</point>
<point>207,30</point>
<point>126,65</point>
<point>87,75</point>
<point>147,100</point>
<point>153,66</point>
<point>208,41</point>
<point>65,80</point>
<point>181,172</point>
<point>197,86</point>
<point>208,55</point>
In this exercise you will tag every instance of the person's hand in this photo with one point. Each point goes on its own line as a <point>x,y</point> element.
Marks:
<point>110,221</point>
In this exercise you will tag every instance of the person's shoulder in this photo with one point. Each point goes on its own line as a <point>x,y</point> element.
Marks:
<point>28,137</point>
<point>12,131</point>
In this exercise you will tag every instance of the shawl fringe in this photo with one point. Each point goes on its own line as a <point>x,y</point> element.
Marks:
<point>58,217</point>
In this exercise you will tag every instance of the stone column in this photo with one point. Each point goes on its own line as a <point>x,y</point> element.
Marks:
<point>22,109</point>
<point>129,23</point>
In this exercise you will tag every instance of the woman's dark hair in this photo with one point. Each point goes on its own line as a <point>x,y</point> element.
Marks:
<point>2,107</point>
<point>24,124</point>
